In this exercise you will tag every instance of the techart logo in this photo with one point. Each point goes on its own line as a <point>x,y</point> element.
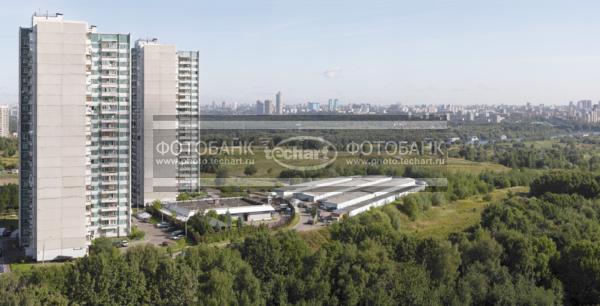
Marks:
<point>303,153</point>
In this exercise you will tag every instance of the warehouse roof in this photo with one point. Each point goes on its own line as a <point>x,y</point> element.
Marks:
<point>355,183</point>
<point>369,201</point>
<point>390,186</point>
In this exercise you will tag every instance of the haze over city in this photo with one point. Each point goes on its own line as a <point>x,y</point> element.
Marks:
<point>383,52</point>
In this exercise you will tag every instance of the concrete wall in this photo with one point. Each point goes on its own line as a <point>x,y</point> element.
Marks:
<point>160,90</point>
<point>259,216</point>
<point>59,158</point>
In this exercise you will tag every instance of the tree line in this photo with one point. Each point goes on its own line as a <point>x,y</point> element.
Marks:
<point>537,249</point>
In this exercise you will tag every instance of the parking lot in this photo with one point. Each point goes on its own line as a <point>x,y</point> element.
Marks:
<point>153,235</point>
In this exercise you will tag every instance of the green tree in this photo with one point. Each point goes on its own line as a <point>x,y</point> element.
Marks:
<point>250,170</point>
<point>579,270</point>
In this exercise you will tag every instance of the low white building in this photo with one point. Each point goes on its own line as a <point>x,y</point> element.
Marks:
<point>247,209</point>
<point>288,191</point>
<point>367,193</point>
<point>381,200</point>
<point>324,192</point>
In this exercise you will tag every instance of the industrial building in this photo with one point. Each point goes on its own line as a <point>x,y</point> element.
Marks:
<point>248,209</point>
<point>349,196</point>
<point>289,191</point>
<point>366,193</point>
<point>380,200</point>
<point>344,186</point>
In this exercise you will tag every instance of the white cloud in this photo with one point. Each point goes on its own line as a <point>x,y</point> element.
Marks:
<point>333,73</point>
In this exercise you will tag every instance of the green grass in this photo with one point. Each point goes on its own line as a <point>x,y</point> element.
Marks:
<point>315,239</point>
<point>10,221</point>
<point>440,221</point>
<point>23,268</point>
<point>9,162</point>
<point>462,165</point>
<point>178,246</point>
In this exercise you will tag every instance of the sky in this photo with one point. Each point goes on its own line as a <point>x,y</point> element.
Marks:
<point>379,52</point>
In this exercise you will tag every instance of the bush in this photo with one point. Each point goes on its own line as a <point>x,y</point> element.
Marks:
<point>438,199</point>
<point>250,170</point>
<point>411,208</point>
<point>136,234</point>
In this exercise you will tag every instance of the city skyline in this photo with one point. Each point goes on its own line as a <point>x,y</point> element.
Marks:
<point>381,53</point>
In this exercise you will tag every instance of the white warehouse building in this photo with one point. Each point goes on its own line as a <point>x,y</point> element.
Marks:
<point>367,193</point>
<point>381,200</point>
<point>288,191</point>
<point>247,209</point>
<point>324,192</point>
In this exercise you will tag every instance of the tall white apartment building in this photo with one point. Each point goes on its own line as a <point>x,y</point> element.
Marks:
<point>74,131</point>
<point>165,107</point>
<point>188,116</point>
<point>108,165</point>
<point>4,121</point>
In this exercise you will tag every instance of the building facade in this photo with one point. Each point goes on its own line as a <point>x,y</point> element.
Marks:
<point>108,177</point>
<point>279,103</point>
<point>53,95</point>
<point>165,108</point>
<point>74,137</point>
<point>4,121</point>
<point>188,116</point>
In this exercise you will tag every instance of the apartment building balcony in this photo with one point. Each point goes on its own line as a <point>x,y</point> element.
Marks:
<point>109,75</point>
<point>109,209</point>
<point>108,200</point>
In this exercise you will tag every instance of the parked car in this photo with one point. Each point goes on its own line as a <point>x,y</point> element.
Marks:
<point>177,237</point>
<point>162,225</point>
<point>123,244</point>
<point>177,232</point>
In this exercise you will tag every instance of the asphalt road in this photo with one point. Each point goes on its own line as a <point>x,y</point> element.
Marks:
<point>303,225</point>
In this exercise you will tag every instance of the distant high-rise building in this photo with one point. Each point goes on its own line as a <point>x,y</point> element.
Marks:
<point>260,107</point>
<point>279,103</point>
<point>4,121</point>
<point>269,107</point>
<point>74,137</point>
<point>164,90</point>
<point>332,105</point>
<point>314,106</point>
<point>584,104</point>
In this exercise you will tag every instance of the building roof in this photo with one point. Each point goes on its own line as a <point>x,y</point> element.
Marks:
<point>355,183</point>
<point>313,184</point>
<point>387,186</point>
<point>216,203</point>
<point>369,201</point>
<point>245,209</point>
<point>221,206</point>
